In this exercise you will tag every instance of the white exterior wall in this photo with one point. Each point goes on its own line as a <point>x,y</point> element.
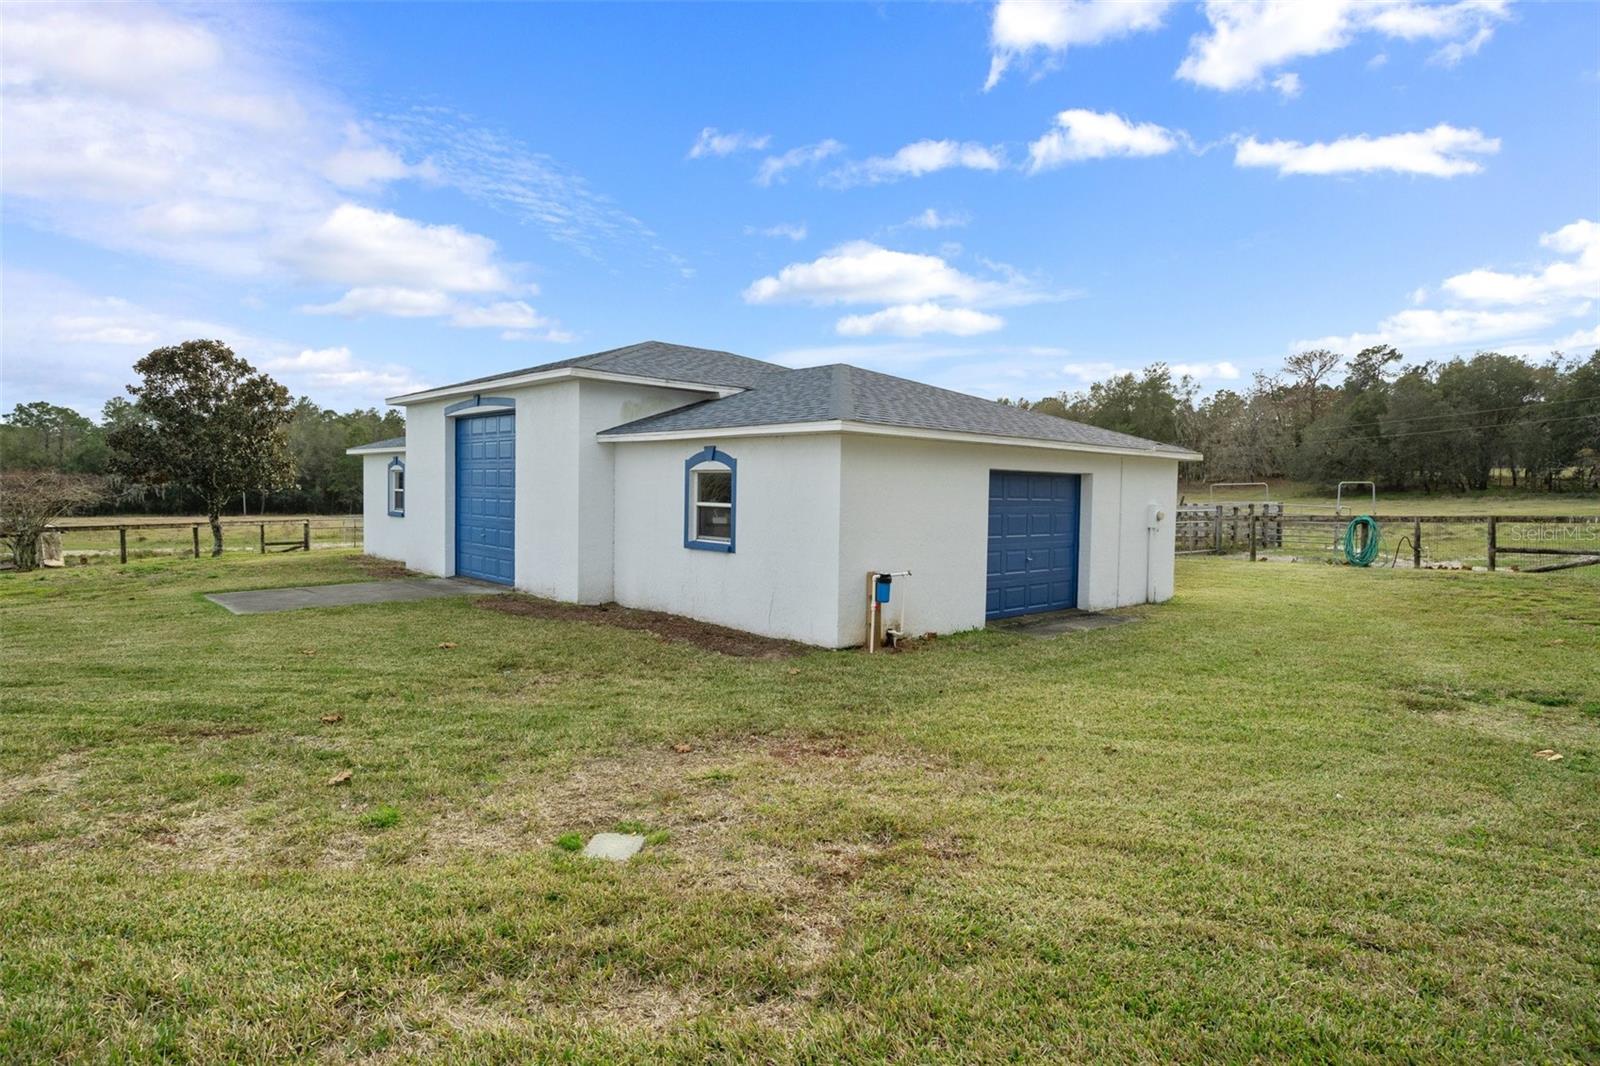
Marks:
<point>381,535</point>
<point>563,477</point>
<point>923,506</point>
<point>781,579</point>
<point>430,487</point>
<point>599,521</point>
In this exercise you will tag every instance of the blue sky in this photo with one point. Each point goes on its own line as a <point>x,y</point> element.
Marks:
<point>1008,199</point>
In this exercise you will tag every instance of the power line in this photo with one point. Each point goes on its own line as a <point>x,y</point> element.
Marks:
<point>1466,414</point>
<point>1480,411</point>
<point>1462,429</point>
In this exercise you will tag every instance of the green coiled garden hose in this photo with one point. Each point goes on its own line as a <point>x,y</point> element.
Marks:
<point>1368,550</point>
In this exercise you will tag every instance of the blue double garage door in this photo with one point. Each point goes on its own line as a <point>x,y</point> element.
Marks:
<point>1033,542</point>
<point>486,497</point>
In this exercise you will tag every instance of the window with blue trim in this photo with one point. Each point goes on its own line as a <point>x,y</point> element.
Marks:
<point>397,488</point>
<point>710,500</point>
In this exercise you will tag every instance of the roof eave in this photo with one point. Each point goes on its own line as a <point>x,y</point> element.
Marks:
<point>542,377</point>
<point>777,429</point>
<point>369,450</point>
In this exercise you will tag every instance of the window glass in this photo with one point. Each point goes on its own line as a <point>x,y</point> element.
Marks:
<point>713,521</point>
<point>713,511</point>
<point>716,486</point>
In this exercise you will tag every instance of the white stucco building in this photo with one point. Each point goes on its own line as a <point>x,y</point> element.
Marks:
<point>739,492</point>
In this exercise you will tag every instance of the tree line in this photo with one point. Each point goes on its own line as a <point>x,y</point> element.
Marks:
<point>46,436</point>
<point>1456,425</point>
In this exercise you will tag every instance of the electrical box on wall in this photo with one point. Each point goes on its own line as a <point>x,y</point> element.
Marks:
<point>1154,516</point>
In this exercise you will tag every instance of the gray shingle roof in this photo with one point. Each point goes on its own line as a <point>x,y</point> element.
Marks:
<point>851,394</point>
<point>777,395</point>
<point>656,359</point>
<point>380,445</point>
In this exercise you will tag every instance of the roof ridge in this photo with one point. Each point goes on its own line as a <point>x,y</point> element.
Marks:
<point>1013,408</point>
<point>844,397</point>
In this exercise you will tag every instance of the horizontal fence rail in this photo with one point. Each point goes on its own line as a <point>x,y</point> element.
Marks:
<point>1421,540</point>
<point>83,543</point>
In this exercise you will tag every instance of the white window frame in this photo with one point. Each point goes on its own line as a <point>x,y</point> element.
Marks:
<point>395,482</point>
<point>701,504</point>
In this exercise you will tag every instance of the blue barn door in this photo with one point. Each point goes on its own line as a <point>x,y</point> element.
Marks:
<point>486,494</point>
<point>1033,543</point>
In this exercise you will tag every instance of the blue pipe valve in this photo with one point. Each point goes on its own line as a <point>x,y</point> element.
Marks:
<point>880,590</point>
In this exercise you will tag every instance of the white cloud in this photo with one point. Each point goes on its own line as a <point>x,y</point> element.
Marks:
<point>1438,152</point>
<point>1082,134</point>
<point>794,231</point>
<point>775,167</point>
<point>206,163</point>
<point>861,272</point>
<point>362,163</point>
<point>513,315</point>
<point>915,320</point>
<point>78,348</point>
<point>502,172</point>
<point>931,218</point>
<point>231,160</point>
<point>517,317</point>
<point>355,245</point>
<point>390,300</point>
<point>1022,27</point>
<point>1528,308</point>
<point>1575,278</point>
<point>1426,329</point>
<point>713,141</point>
<point>1288,85</point>
<point>1224,371</point>
<point>1246,40</point>
<point>335,371</point>
<point>918,293</point>
<point>1583,338</point>
<point>917,159</point>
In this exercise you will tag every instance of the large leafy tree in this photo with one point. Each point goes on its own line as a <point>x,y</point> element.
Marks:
<point>209,421</point>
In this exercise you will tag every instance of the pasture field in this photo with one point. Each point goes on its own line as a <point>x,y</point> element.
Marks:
<point>1296,813</point>
<point>170,535</point>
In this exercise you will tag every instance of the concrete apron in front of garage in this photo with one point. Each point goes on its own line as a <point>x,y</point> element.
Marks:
<point>266,601</point>
<point>1052,623</point>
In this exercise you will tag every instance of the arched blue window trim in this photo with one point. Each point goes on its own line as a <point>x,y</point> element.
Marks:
<point>710,454</point>
<point>389,487</point>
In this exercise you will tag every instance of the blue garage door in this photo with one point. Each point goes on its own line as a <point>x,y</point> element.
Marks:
<point>1033,543</point>
<point>486,493</point>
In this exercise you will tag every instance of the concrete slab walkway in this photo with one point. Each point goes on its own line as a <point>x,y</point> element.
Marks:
<point>1052,623</point>
<point>266,601</point>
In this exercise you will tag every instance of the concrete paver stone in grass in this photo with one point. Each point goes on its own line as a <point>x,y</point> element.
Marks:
<point>616,847</point>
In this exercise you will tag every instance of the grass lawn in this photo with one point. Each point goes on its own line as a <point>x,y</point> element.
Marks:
<point>1295,813</point>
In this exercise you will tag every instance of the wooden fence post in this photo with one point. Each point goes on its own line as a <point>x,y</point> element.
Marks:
<point>122,542</point>
<point>196,531</point>
<point>1491,542</point>
<point>263,538</point>
<point>306,536</point>
<point>1416,543</point>
<point>1252,532</point>
<point>1216,532</point>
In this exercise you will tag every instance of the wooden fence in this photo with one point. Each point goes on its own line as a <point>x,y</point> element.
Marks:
<point>92,541</point>
<point>1438,541</point>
